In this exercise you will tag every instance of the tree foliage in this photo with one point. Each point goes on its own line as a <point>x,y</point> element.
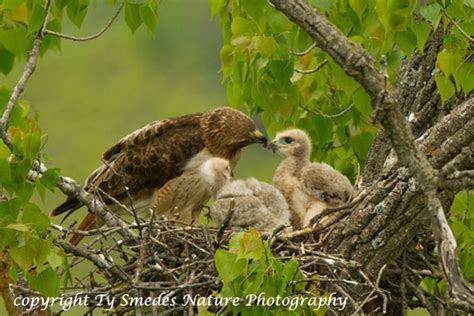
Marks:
<point>249,268</point>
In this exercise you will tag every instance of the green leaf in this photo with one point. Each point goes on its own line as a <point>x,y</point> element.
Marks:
<point>341,80</point>
<point>23,256</point>
<point>25,192</point>
<point>149,15</point>
<point>449,61</point>
<point>132,16</point>
<point>44,248</point>
<point>47,282</point>
<point>464,77</point>
<point>322,4</point>
<point>19,170</point>
<point>278,23</point>
<point>422,31</point>
<point>289,271</point>
<point>324,130</point>
<point>281,70</point>
<point>383,14</point>
<point>431,12</point>
<point>4,151</point>
<point>15,40</point>
<point>50,178</point>
<point>456,11</point>
<point>254,8</point>
<point>241,26</point>
<point>407,42</point>
<point>469,3</point>
<point>362,102</point>
<point>216,6</point>
<point>361,144</point>
<point>60,4</point>
<point>11,4</point>
<point>445,87</point>
<point>32,144</point>
<point>265,45</point>
<point>34,216</point>
<point>41,190</point>
<point>37,18</point>
<point>18,227</point>
<point>228,266</point>
<point>53,42</point>
<point>359,6</point>
<point>5,174</point>
<point>55,257</point>
<point>77,10</point>
<point>9,211</point>
<point>7,60</point>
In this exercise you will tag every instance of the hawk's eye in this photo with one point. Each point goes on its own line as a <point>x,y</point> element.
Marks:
<point>288,140</point>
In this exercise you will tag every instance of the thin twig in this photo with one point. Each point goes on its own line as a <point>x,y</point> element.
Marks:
<point>97,260</point>
<point>330,210</point>
<point>341,290</point>
<point>312,71</point>
<point>375,289</point>
<point>464,33</point>
<point>403,283</point>
<point>306,51</point>
<point>91,37</point>
<point>227,221</point>
<point>315,111</point>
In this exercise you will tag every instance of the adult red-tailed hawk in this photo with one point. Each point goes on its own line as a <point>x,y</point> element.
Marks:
<point>256,203</point>
<point>157,164</point>
<point>308,187</point>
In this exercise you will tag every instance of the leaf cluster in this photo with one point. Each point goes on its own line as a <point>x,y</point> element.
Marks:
<point>23,225</point>
<point>249,268</point>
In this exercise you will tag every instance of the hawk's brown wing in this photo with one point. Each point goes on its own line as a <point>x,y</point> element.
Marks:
<point>145,159</point>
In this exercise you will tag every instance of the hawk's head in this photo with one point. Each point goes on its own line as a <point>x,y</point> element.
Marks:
<point>226,131</point>
<point>292,142</point>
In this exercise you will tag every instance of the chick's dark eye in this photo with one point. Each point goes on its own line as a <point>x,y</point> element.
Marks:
<point>288,140</point>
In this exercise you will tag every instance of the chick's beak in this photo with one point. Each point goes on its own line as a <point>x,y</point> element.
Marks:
<point>260,138</point>
<point>273,146</point>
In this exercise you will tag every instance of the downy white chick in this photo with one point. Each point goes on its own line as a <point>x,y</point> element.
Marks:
<point>256,203</point>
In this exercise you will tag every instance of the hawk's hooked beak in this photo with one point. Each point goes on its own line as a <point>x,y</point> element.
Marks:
<point>260,138</point>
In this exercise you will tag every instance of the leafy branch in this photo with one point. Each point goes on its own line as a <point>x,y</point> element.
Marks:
<point>28,70</point>
<point>90,37</point>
